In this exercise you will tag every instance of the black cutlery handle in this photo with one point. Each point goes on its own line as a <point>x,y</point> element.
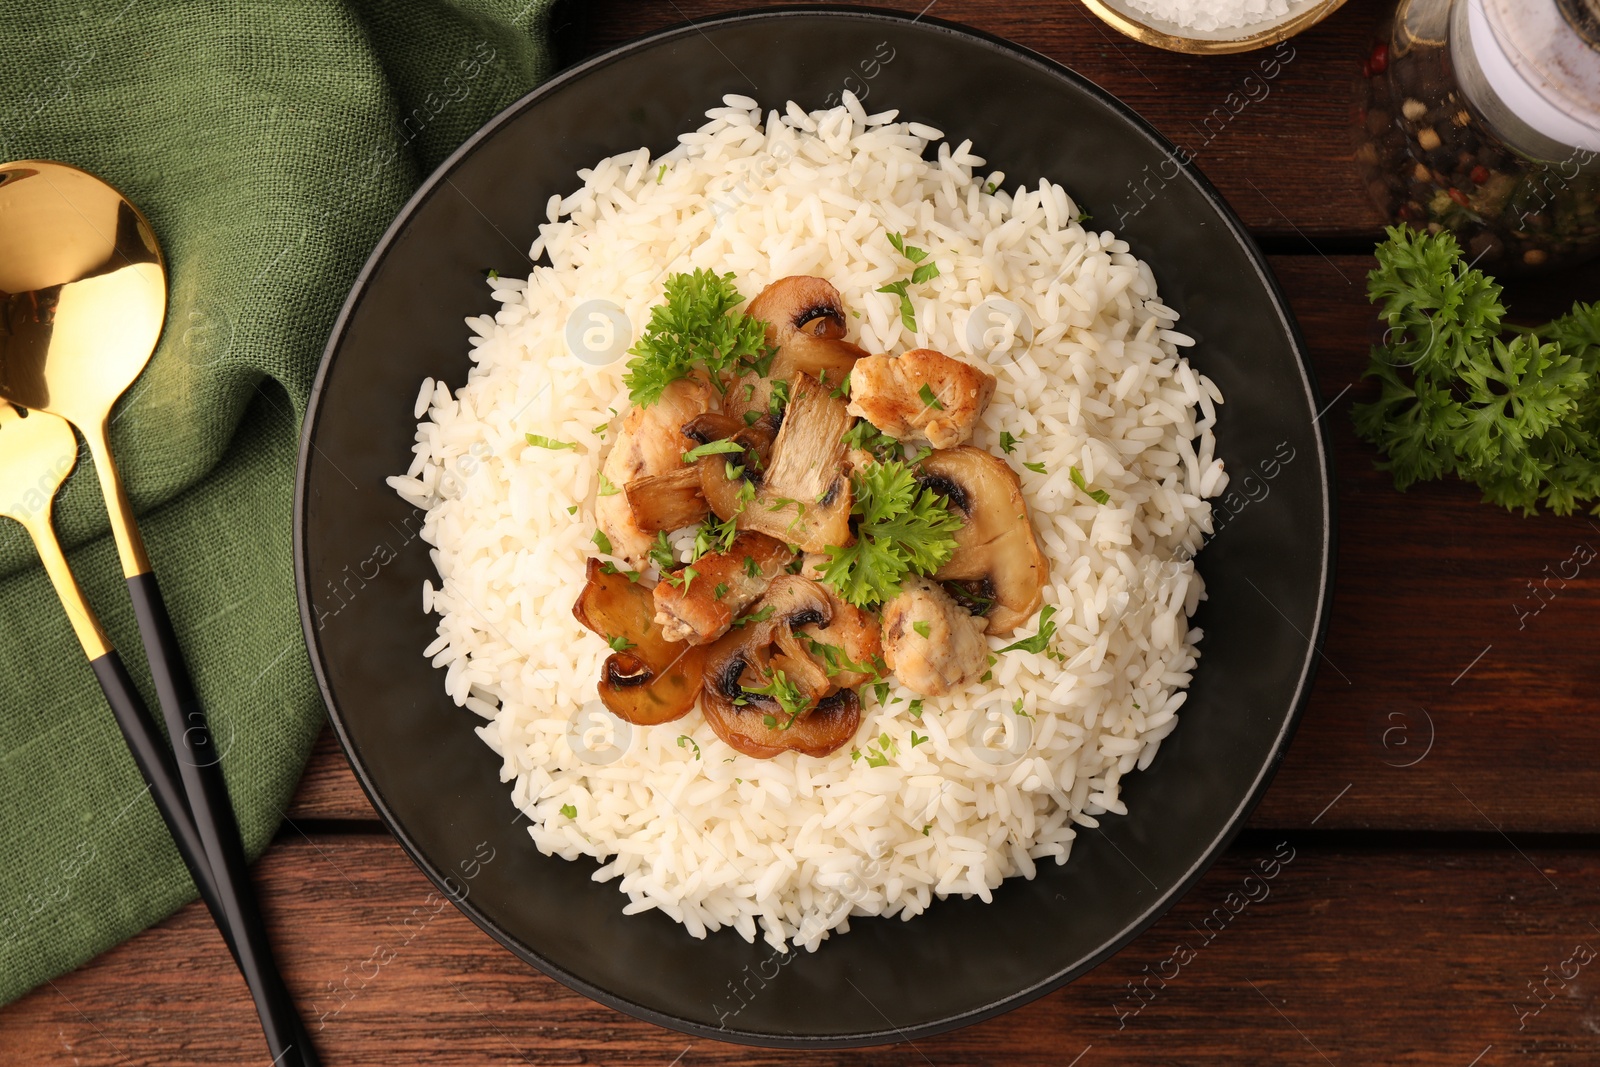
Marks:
<point>160,772</point>
<point>200,770</point>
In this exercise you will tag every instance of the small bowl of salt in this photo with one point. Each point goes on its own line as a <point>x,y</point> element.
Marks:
<point>1209,27</point>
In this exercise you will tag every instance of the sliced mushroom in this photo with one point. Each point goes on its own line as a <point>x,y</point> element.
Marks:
<point>650,442</point>
<point>997,558</point>
<point>651,680</point>
<point>728,480</point>
<point>725,583</point>
<point>829,727</point>
<point>803,496</point>
<point>932,644</point>
<point>921,396</point>
<point>805,320</point>
<point>667,501</point>
<point>849,640</point>
<point>748,658</point>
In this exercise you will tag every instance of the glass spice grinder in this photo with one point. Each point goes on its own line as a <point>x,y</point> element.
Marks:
<point>1482,117</point>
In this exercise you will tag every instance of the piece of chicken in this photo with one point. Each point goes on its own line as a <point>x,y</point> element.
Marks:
<point>696,611</point>
<point>650,442</point>
<point>921,396</point>
<point>931,643</point>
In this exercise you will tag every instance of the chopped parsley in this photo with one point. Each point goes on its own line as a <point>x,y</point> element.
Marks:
<point>789,695</point>
<point>885,748</point>
<point>606,488</point>
<point>1008,443</point>
<point>719,591</point>
<point>911,252</point>
<point>661,551</point>
<point>694,327</point>
<point>915,708</point>
<point>572,509</point>
<point>712,448</point>
<point>684,740</point>
<point>836,661</point>
<point>611,568</point>
<point>600,431</point>
<point>1041,640</point>
<point>929,397</point>
<point>779,398</point>
<point>917,739</point>
<point>601,541</point>
<point>683,579</point>
<point>920,273</point>
<point>921,628</point>
<point>1099,496</point>
<point>869,438</point>
<point>902,528</point>
<point>755,616</point>
<point>619,643</point>
<point>715,536</point>
<point>569,811</point>
<point>661,172</point>
<point>1038,467</point>
<point>908,313</point>
<point>539,440</point>
<point>751,567</point>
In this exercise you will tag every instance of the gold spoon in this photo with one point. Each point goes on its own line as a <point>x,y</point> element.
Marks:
<point>82,298</point>
<point>37,452</point>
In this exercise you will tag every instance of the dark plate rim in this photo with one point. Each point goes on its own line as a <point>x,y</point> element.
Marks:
<point>890,1033</point>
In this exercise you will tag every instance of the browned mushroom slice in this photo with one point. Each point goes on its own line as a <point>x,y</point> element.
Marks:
<point>849,641</point>
<point>650,441</point>
<point>728,480</point>
<point>805,320</point>
<point>749,658</point>
<point>997,560</point>
<point>923,396</point>
<point>668,501</point>
<point>829,727</point>
<point>932,644</point>
<point>650,680</point>
<point>803,496</point>
<point>725,583</point>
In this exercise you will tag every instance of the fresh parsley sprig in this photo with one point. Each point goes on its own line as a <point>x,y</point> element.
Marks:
<point>901,528</point>
<point>695,327</point>
<point>1514,410</point>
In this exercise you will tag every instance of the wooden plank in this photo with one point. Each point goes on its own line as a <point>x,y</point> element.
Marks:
<point>1425,644</point>
<point>1388,957</point>
<point>1280,148</point>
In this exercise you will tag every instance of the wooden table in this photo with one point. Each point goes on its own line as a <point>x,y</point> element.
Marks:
<point>1440,801</point>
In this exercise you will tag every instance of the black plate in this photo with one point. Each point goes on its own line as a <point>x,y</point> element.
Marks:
<point>360,565</point>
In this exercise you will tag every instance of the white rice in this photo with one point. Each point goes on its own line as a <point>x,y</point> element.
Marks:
<point>792,847</point>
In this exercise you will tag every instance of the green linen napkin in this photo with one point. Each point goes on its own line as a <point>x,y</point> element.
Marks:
<point>269,143</point>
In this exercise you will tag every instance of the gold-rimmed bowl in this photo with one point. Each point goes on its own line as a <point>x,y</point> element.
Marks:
<point>1159,33</point>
